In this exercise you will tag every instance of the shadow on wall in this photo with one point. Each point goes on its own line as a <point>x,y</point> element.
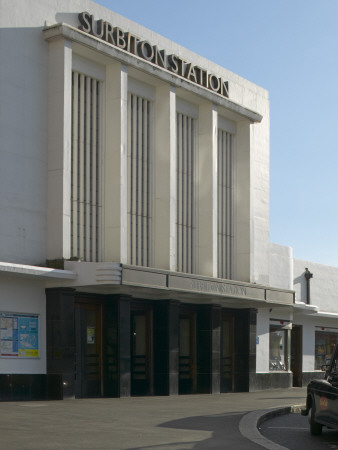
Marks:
<point>300,282</point>
<point>68,18</point>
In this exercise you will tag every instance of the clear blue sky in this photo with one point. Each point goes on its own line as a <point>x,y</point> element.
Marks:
<point>289,47</point>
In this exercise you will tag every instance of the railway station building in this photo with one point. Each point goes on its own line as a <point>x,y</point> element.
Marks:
<point>134,236</point>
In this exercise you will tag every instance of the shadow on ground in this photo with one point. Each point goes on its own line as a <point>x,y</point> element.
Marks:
<point>224,433</point>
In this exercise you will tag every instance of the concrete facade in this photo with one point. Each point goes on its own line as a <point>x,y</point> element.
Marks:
<point>60,250</point>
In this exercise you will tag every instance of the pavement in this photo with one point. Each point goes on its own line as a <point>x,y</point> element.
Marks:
<point>221,421</point>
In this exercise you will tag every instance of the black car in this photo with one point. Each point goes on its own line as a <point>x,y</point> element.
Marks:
<point>322,398</point>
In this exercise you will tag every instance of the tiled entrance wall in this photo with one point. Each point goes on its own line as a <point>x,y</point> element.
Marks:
<point>61,344</point>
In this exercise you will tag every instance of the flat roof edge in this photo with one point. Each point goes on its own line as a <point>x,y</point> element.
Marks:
<point>66,31</point>
<point>36,271</point>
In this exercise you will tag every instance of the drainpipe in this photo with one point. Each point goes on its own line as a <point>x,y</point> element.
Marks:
<point>308,275</point>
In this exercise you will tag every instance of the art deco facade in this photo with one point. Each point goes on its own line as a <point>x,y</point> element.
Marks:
<point>135,205</point>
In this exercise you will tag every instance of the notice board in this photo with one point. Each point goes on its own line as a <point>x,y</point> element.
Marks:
<point>19,335</point>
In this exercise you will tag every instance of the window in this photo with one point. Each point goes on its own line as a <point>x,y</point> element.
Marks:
<point>325,342</point>
<point>225,204</point>
<point>85,172</point>
<point>139,180</point>
<point>278,348</point>
<point>185,225</point>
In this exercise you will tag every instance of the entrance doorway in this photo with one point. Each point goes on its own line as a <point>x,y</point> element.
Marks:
<point>296,355</point>
<point>187,353</point>
<point>88,362</point>
<point>227,352</point>
<point>141,352</point>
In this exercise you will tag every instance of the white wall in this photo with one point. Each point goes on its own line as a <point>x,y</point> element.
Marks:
<point>280,267</point>
<point>259,192</point>
<point>323,285</point>
<point>20,295</point>
<point>24,89</point>
<point>308,345</point>
<point>262,347</point>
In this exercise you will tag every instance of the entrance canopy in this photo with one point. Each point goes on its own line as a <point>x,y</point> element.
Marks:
<point>162,284</point>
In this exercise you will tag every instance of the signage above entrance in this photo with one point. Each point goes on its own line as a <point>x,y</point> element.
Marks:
<point>197,285</point>
<point>151,53</point>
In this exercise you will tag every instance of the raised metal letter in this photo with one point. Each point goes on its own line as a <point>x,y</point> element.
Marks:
<point>84,19</point>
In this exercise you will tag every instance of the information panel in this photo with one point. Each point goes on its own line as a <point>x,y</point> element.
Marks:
<point>19,335</point>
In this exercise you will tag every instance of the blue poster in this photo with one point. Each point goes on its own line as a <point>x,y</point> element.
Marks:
<point>28,332</point>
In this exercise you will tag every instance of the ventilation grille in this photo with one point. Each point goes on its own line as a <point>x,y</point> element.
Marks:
<point>139,181</point>
<point>185,193</point>
<point>225,204</point>
<point>85,197</point>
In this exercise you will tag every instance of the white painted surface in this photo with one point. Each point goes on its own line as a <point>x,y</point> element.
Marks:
<point>281,267</point>
<point>164,236</point>
<point>323,285</point>
<point>23,233</point>
<point>115,165</point>
<point>59,115</point>
<point>26,216</point>
<point>207,185</point>
<point>259,192</point>
<point>262,347</point>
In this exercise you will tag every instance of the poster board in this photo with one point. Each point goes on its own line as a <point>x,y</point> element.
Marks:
<point>19,335</point>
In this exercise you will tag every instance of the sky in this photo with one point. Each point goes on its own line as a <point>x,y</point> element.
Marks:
<point>290,48</point>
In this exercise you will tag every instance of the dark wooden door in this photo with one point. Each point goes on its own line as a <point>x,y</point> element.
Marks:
<point>296,355</point>
<point>187,353</point>
<point>88,327</point>
<point>227,349</point>
<point>141,353</point>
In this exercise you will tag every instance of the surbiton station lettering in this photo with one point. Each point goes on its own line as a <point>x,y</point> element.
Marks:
<point>145,50</point>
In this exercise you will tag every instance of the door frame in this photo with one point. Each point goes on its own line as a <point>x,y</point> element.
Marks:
<point>228,315</point>
<point>191,315</point>
<point>81,341</point>
<point>139,309</point>
<point>297,355</point>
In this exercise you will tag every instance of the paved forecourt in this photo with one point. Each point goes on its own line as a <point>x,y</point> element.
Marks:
<point>156,423</point>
